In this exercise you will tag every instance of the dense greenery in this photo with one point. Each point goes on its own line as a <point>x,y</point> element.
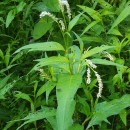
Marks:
<point>64,65</point>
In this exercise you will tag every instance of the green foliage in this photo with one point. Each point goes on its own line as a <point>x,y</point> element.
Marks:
<point>52,68</point>
<point>65,95</point>
<point>106,109</point>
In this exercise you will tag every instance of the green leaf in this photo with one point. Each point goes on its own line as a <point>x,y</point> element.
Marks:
<point>1,54</point>
<point>52,121</point>
<point>44,46</point>
<point>104,4</point>
<point>24,96</point>
<point>95,51</point>
<point>115,32</point>
<point>93,13</point>
<point>65,91</point>
<point>54,60</point>
<point>105,62</point>
<point>7,56</point>
<point>42,27</point>
<point>52,5</point>
<point>73,22</point>
<point>125,12</point>
<point>7,68</point>
<point>76,127</point>
<point>10,17</point>
<point>106,109</point>
<point>89,26</point>
<point>20,6</point>
<point>5,89</point>
<point>92,39</point>
<point>47,87</point>
<point>80,42</point>
<point>41,114</point>
<point>13,12</point>
<point>4,81</point>
<point>123,116</point>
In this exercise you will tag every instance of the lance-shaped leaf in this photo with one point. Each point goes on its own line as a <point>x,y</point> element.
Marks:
<point>125,12</point>
<point>44,46</point>
<point>65,92</point>
<point>54,60</point>
<point>106,109</point>
<point>95,51</point>
<point>31,117</point>
<point>106,62</point>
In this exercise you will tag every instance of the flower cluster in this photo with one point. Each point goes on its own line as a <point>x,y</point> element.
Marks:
<point>62,25</point>
<point>99,80</point>
<point>90,63</point>
<point>63,3</point>
<point>45,13</point>
<point>100,84</point>
<point>88,81</point>
<point>108,55</point>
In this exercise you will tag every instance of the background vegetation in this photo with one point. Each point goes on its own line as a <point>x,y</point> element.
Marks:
<point>67,69</point>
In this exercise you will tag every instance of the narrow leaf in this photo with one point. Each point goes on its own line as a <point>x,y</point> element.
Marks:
<point>24,96</point>
<point>10,17</point>
<point>93,13</point>
<point>46,87</point>
<point>4,81</point>
<point>73,21</point>
<point>95,51</point>
<point>105,62</point>
<point>121,17</point>
<point>45,46</point>
<point>89,26</point>
<point>41,114</point>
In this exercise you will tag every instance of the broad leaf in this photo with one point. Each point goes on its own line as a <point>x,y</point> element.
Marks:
<point>42,27</point>
<point>106,109</point>
<point>45,46</point>
<point>65,91</point>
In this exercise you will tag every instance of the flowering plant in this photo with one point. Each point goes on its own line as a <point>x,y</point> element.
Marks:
<point>67,67</point>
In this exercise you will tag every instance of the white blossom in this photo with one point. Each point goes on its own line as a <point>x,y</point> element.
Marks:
<point>45,13</point>
<point>108,55</point>
<point>88,76</point>
<point>62,25</point>
<point>91,64</point>
<point>100,84</point>
<point>63,3</point>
